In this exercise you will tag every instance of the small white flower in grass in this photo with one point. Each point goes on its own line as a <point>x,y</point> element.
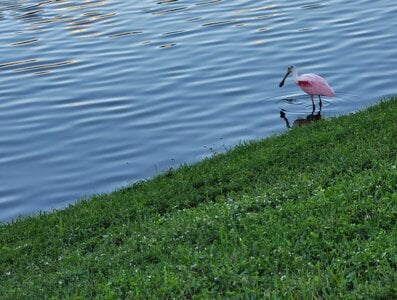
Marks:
<point>8,273</point>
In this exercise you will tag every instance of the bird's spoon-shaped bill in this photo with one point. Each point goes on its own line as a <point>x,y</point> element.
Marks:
<point>285,77</point>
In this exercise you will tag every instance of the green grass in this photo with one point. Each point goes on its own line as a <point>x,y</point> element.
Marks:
<point>309,214</point>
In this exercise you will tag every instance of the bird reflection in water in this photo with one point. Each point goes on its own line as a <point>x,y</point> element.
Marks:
<point>301,121</point>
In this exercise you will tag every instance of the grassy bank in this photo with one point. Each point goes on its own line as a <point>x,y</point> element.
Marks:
<point>308,214</point>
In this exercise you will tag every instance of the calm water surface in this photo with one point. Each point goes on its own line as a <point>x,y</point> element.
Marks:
<point>95,95</point>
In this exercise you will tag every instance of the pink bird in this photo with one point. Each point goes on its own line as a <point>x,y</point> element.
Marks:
<point>311,84</point>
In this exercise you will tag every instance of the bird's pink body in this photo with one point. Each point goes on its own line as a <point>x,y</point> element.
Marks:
<point>313,85</point>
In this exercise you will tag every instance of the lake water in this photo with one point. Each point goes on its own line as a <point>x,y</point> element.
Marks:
<point>95,95</point>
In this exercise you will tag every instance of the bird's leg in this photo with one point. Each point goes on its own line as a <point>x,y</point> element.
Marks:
<point>321,103</point>
<point>314,106</point>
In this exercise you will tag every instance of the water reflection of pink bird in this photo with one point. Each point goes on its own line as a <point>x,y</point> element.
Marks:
<point>311,84</point>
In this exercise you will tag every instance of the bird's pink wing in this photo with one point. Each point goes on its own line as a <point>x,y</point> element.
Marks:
<point>315,85</point>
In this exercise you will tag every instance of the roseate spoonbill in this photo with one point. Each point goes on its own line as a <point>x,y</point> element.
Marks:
<point>311,84</point>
